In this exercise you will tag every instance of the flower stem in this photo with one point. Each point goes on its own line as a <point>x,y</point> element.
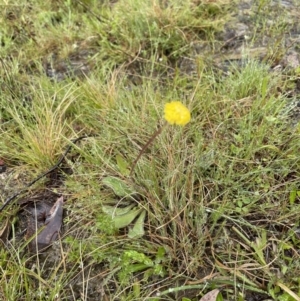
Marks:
<point>145,147</point>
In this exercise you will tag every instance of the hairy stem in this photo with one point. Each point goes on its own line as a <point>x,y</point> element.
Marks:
<point>145,147</point>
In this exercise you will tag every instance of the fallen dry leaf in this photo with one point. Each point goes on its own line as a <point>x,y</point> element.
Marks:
<point>211,296</point>
<point>51,228</point>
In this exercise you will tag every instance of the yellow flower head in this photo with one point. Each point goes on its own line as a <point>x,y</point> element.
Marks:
<point>177,113</point>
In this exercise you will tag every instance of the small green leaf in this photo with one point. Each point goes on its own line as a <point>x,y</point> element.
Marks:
<point>124,220</point>
<point>160,255</point>
<point>138,229</point>
<point>293,195</point>
<point>219,297</point>
<point>118,186</point>
<point>122,165</point>
<point>240,203</point>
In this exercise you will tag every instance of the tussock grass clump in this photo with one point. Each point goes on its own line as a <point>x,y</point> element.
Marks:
<point>34,127</point>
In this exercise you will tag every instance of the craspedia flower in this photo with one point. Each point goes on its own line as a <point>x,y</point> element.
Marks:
<point>177,113</point>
